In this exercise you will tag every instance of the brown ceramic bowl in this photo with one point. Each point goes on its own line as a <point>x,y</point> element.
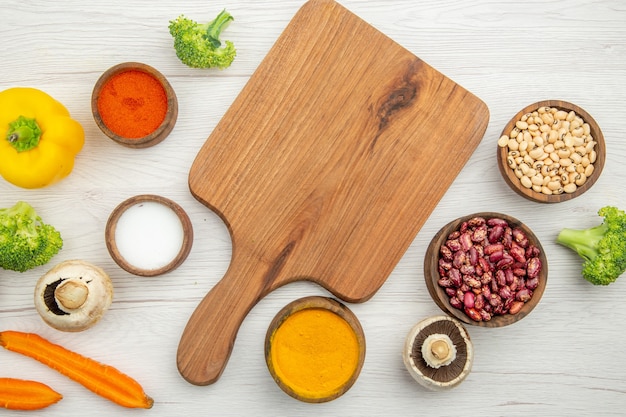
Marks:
<point>157,135</point>
<point>431,272</point>
<point>323,303</point>
<point>512,178</point>
<point>121,255</point>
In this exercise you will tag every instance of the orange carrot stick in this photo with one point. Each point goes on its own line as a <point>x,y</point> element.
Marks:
<point>103,380</point>
<point>21,394</point>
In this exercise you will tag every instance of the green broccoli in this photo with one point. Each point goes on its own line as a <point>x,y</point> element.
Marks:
<point>25,240</point>
<point>602,247</point>
<point>199,46</point>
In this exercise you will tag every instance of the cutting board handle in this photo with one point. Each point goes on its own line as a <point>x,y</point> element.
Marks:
<point>208,338</point>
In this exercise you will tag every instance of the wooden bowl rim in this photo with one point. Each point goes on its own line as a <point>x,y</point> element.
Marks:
<point>111,226</point>
<point>161,132</point>
<point>312,302</point>
<point>431,273</point>
<point>514,183</point>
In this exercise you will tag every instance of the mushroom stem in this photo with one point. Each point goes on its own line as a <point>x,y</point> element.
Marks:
<point>71,294</point>
<point>438,350</point>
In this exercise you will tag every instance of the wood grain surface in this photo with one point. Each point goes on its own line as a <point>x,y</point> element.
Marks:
<point>321,169</point>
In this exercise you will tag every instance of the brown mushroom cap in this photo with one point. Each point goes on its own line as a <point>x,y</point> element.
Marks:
<point>445,376</point>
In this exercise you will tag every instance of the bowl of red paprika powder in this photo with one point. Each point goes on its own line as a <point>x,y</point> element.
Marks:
<point>134,104</point>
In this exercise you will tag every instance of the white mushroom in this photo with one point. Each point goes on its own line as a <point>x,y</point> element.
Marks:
<point>73,295</point>
<point>438,353</point>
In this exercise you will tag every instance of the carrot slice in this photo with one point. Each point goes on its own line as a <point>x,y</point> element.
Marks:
<point>103,380</point>
<point>22,394</point>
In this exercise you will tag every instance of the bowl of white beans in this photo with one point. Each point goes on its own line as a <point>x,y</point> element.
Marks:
<point>551,151</point>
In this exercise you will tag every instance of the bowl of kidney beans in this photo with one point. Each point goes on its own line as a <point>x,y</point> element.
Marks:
<point>486,269</point>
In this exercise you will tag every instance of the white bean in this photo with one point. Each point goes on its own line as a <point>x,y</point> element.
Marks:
<point>570,188</point>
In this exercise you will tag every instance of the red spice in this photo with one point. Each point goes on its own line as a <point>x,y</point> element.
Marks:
<point>132,104</point>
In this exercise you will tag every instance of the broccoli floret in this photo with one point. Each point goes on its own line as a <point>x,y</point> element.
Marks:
<point>199,46</point>
<point>25,240</point>
<point>602,247</point>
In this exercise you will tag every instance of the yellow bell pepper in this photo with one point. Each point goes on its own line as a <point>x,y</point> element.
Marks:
<point>38,138</point>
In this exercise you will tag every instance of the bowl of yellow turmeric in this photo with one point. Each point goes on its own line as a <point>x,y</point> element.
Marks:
<point>314,349</point>
<point>134,104</point>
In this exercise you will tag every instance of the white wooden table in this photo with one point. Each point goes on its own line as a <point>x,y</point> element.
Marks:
<point>566,358</point>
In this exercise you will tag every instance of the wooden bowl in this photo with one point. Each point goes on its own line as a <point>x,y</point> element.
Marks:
<point>513,180</point>
<point>438,294</point>
<point>157,135</point>
<point>291,387</point>
<point>118,254</point>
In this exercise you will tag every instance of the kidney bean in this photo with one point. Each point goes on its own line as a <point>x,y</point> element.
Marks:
<point>479,302</point>
<point>459,259</point>
<point>478,271</point>
<point>445,265</point>
<point>509,276</point>
<point>479,234</point>
<point>500,277</point>
<point>495,300</point>
<point>494,285</point>
<point>496,234</point>
<point>484,264</point>
<point>496,221</point>
<point>466,241</point>
<point>523,295</point>
<point>456,303</point>
<point>532,283</point>
<point>474,283</point>
<point>495,257</point>
<point>505,262</point>
<point>519,235</point>
<point>484,315</point>
<point>519,272</point>
<point>505,293</point>
<point>488,267</point>
<point>476,221</point>
<point>473,255</point>
<point>455,277</point>
<point>467,270</point>
<point>473,314</point>
<point>445,253</point>
<point>534,267</point>
<point>493,248</point>
<point>518,253</point>
<point>454,235</point>
<point>516,306</point>
<point>507,237</point>
<point>507,304</point>
<point>532,251</point>
<point>486,292</point>
<point>444,282</point>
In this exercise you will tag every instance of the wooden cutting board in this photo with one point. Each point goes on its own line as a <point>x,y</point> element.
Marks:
<point>324,168</point>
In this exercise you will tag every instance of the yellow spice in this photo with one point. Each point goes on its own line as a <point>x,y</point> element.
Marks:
<point>314,352</point>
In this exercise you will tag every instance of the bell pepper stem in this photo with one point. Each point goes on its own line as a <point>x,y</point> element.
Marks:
<point>24,134</point>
